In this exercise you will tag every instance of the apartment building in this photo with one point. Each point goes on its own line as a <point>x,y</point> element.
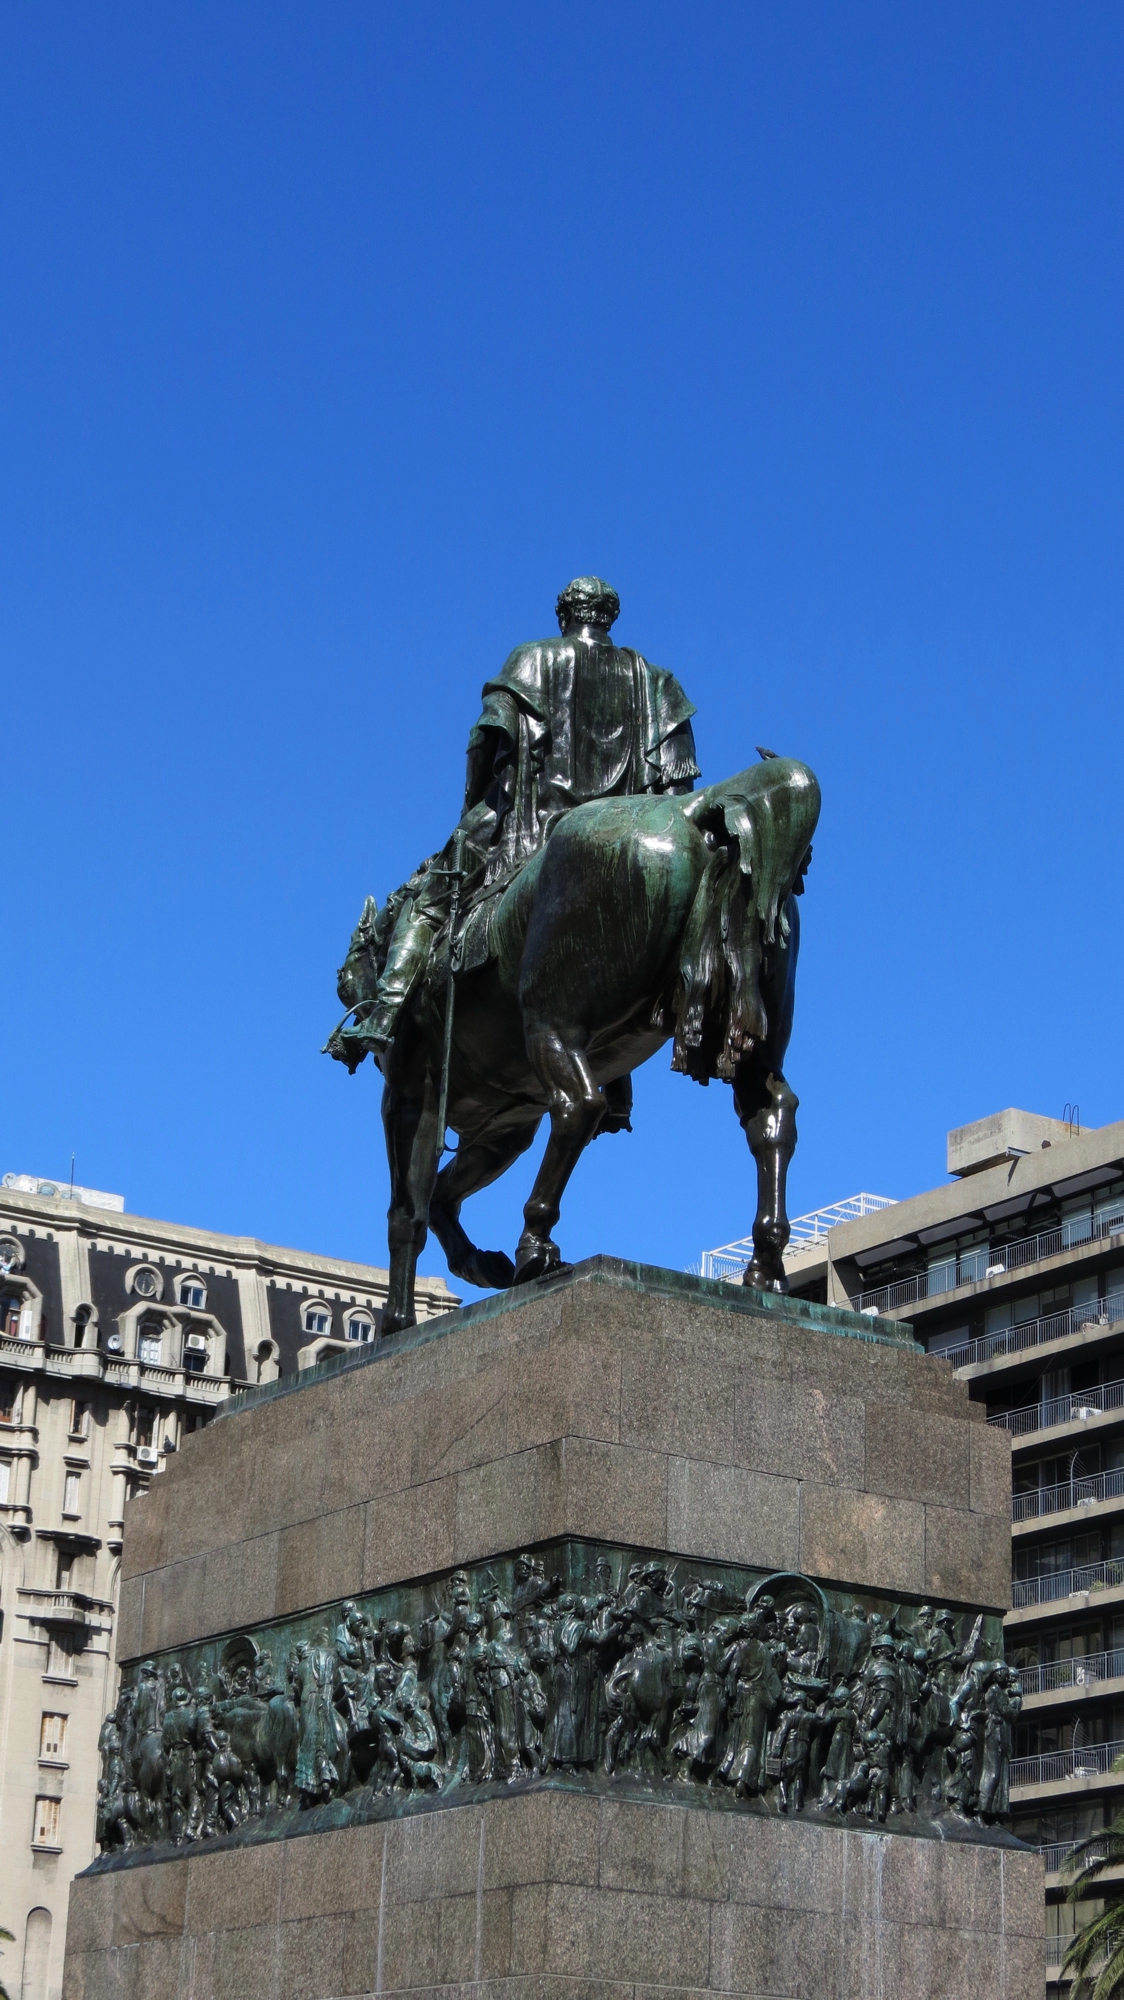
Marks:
<point>118,1337</point>
<point>1014,1270</point>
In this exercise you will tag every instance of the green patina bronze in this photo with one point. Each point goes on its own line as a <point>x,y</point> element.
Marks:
<point>616,1671</point>
<point>589,907</point>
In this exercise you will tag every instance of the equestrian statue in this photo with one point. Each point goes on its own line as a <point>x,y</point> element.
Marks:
<point>589,906</point>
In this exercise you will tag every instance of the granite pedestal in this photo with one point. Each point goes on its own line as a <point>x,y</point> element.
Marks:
<point>622,1430</point>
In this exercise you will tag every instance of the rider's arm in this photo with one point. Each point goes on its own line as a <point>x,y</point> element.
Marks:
<point>678,766</point>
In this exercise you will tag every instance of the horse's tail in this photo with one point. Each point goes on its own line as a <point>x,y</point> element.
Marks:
<point>759,827</point>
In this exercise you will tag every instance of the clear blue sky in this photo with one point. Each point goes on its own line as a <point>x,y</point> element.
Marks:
<point>336,339</point>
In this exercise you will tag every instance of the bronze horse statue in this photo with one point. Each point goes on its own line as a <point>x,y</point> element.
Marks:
<point>642,918</point>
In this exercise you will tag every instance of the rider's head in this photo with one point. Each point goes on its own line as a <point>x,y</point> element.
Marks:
<point>588,601</point>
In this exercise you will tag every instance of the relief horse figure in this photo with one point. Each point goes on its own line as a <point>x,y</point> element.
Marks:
<point>642,919</point>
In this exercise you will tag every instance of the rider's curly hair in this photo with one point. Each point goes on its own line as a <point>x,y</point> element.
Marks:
<point>590,599</point>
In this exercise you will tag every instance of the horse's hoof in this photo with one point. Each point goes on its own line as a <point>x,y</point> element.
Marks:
<point>536,1259</point>
<point>397,1322</point>
<point>491,1270</point>
<point>765,1281</point>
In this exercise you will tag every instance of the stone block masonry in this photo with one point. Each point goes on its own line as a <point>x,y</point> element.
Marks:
<point>554,1897</point>
<point>779,1495</point>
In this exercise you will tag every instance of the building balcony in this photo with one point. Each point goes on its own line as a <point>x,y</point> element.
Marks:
<point>1055,1856</point>
<point>1069,1773</point>
<point>92,1364</point>
<point>1070,1682</point>
<point>1062,1415</point>
<point>70,1610</point>
<point>976,1267</point>
<point>1074,1500</point>
<point>1066,1592</point>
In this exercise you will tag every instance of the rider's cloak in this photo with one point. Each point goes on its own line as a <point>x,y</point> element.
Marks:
<point>568,720</point>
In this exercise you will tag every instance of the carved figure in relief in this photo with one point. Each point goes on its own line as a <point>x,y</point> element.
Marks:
<point>322,1750</point>
<point>479,1731</point>
<point>1002,1702</point>
<point>117,1804</point>
<point>696,1745</point>
<point>498,1679</point>
<point>794,1749</point>
<point>753,1696</point>
<point>184,1811</point>
<point>148,1747</point>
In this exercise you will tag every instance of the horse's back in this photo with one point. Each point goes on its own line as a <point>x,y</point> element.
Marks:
<point>611,892</point>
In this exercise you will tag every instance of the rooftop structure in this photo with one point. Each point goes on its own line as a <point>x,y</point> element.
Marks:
<point>807,1232</point>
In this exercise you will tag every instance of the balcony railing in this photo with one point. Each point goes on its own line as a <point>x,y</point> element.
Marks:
<point>1061,1409</point>
<point>1081,1672</point>
<point>1092,1760</point>
<point>1086,1492</point>
<point>988,1262</point>
<point>1035,1332</point>
<point>1056,1948</point>
<point>1055,1854</point>
<point>62,1607</point>
<point>1067,1583</point>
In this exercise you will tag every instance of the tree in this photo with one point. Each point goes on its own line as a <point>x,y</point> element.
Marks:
<point>1096,1956</point>
<point>8,1939</point>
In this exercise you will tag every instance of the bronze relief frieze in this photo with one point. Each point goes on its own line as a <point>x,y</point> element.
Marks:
<point>621,1672</point>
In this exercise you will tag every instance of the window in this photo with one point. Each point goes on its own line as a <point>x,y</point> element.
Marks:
<point>47,1822</point>
<point>71,1491</point>
<point>17,1317</point>
<point>317,1319</point>
<point>150,1343</point>
<point>81,1322</point>
<point>64,1569</point>
<point>146,1424</point>
<point>52,1736</point>
<point>5,1479</point>
<point>79,1419</point>
<point>193,1292</point>
<point>9,1402</point>
<point>146,1284</point>
<point>359,1327</point>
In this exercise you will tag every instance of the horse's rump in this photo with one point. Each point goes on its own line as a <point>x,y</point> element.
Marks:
<point>759,826</point>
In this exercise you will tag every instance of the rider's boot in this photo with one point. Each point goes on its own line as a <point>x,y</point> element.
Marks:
<point>406,960</point>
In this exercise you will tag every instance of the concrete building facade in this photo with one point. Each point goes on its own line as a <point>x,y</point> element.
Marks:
<point>1014,1271</point>
<point>118,1335</point>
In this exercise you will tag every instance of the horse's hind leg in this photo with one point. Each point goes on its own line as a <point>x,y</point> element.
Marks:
<point>475,1165</point>
<point>576,1109</point>
<point>766,1107</point>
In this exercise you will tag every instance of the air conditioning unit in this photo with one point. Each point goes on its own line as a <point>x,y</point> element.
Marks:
<point>146,1455</point>
<point>196,1343</point>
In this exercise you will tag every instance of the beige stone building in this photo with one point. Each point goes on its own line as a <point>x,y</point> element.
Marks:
<point>117,1336</point>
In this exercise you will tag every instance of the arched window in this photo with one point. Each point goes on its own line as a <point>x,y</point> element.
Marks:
<point>360,1326</point>
<point>147,1283</point>
<point>317,1317</point>
<point>150,1342</point>
<point>37,1934</point>
<point>193,1292</point>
